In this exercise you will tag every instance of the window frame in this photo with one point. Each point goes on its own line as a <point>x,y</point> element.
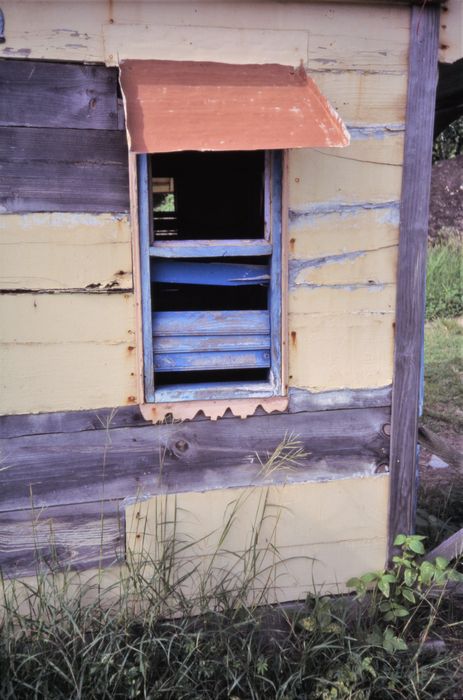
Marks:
<point>272,387</point>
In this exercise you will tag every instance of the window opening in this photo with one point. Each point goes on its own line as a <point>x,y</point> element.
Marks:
<point>211,274</point>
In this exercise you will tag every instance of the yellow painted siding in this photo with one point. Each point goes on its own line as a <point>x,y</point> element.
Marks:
<point>339,232</point>
<point>335,351</point>
<point>348,37</point>
<point>65,251</point>
<point>364,98</point>
<point>313,534</point>
<point>66,351</point>
<point>367,171</point>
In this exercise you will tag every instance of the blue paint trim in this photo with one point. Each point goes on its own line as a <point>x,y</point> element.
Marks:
<point>211,249</point>
<point>199,323</point>
<point>204,273</point>
<point>211,343</point>
<point>343,209</point>
<point>275,290</point>
<point>165,325</point>
<point>206,361</point>
<point>144,214</point>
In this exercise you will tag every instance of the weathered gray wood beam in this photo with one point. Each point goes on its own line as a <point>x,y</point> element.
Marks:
<point>47,539</point>
<point>63,468</point>
<point>69,170</point>
<point>58,95</point>
<point>451,548</point>
<point>422,79</point>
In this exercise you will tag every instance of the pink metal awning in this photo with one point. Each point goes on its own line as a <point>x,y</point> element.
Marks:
<point>201,106</point>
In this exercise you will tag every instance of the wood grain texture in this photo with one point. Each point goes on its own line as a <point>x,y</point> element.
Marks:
<point>173,323</point>
<point>210,360</point>
<point>362,98</point>
<point>58,95</point>
<point>81,467</point>
<point>63,251</point>
<point>304,400</point>
<point>48,539</point>
<point>450,549</point>
<point>63,170</point>
<point>66,351</point>
<point>210,248</point>
<point>412,267</point>
<point>70,421</point>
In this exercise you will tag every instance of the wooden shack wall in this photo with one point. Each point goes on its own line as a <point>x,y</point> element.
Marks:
<point>67,290</point>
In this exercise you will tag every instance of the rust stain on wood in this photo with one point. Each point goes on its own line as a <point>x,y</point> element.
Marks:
<point>188,105</point>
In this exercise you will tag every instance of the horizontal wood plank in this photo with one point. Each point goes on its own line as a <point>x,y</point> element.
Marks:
<point>63,170</point>
<point>333,351</point>
<point>219,274</point>
<point>347,175</point>
<point>66,351</point>
<point>58,95</point>
<point>211,248</point>
<point>210,343</point>
<point>77,537</point>
<point>304,400</point>
<point>168,323</point>
<point>82,467</point>
<point>64,251</point>
<point>70,421</point>
<point>206,361</point>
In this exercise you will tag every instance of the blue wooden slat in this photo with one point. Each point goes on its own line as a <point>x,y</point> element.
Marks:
<point>203,361</point>
<point>210,343</point>
<point>144,211</point>
<point>221,274</point>
<point>214,390</point>
<point>211,248</point>
<point>275,289</point>
<point>167,323</point>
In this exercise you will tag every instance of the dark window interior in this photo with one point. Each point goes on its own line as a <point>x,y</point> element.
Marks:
<point>208,195</point>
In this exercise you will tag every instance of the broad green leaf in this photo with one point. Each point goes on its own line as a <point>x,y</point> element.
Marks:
<point>409,577</point>
<point>369,577</point>
<point>441,563</point>
<point>400,611</point>
<point>399,540</point>
<point>384,587</point>
<point>408,595</point>
<point>416,546</point>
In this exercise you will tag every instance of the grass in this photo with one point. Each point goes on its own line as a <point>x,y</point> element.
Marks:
<point>444,290</point>
<point>62,640</point>
<point>440,498</point>
<point>443,360</point>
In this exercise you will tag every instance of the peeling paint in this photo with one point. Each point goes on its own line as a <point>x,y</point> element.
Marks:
<point>341,208</point>
<point>15,52</point>
<point>377,131</point>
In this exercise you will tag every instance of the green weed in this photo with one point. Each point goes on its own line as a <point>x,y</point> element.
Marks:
<point>444,289</point>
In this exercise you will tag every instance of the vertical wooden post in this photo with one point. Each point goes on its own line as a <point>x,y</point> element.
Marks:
<point>411,274</point>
